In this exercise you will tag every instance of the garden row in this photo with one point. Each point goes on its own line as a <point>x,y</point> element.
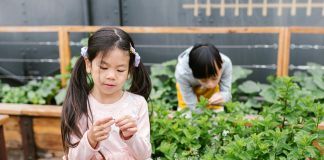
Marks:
<point>287,113</point>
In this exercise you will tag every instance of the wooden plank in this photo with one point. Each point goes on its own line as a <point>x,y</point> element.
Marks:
<point>280,54</point>
<point>29,29</point>
<point>31,110</point>
<point>28,141</point>
<point>308,30</point>
<point>3,150</point>
<point>48,137</point>
<point>3,119</point>
<point>144,29</point>
<point>10,109</point>
<point>64,51</point>
<point>42,111</point>
<point>13,133</point>
<point>180,30</point>
<point>286,52</point>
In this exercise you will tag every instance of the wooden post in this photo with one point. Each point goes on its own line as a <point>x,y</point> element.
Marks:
<point>280,53</point>
<point>28,140</point>
<point>283,52</point>
<point>3,150</point>
<point>64,51</point>
<point>286,52</point>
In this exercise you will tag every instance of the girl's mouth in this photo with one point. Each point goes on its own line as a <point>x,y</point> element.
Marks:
<point>110,85</point>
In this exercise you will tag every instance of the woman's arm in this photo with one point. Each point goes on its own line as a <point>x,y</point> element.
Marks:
<point>226,80</point>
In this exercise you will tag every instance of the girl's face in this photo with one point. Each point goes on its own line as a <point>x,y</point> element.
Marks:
<point>211,82</point>
<point>109,72</point>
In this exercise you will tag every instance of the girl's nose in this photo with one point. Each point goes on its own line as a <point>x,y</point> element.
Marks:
<point>111,74</point>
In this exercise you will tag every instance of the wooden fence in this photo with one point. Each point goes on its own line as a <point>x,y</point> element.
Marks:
<point>284,37</point>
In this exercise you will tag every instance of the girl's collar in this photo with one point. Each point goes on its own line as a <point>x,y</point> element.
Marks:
<point>122,97</point>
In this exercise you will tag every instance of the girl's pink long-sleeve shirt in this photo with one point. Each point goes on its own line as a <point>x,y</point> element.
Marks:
<point>114,148</point>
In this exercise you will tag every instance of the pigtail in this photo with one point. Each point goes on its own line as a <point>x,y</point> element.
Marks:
<point>141,82</point>
<point>75,104</point>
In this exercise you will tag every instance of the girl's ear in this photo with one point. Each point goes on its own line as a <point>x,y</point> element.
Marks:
<point>88,65</point>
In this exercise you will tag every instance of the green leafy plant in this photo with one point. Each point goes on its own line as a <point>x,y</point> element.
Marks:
<point>285,129</point>
<point>164,83</point>
<point>34,92</point>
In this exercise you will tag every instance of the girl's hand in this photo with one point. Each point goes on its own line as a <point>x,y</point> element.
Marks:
<point>127,126</point>
<point>216,99</point>
<point>100,131</point>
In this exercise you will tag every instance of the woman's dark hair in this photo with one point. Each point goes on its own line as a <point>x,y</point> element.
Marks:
<point>76,101</point>
<point>203,59</point>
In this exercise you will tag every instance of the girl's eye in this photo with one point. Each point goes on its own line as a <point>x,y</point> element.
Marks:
<point>120,70</point>
<point>104,68</point>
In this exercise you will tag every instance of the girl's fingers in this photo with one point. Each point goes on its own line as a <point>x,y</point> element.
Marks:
<point>129,132</point>
<point>104,126</point>
<point>122,118</point>
<point>123,122</point>
<point>102,138</point>
<point>132,130</point>
<point>102,133</point>
<point>127,126</point>
<point>102,121</point>
<point>108,124</point>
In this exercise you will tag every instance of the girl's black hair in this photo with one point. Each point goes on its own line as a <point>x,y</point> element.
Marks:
<point>76,101</point>
<point>203,60</point>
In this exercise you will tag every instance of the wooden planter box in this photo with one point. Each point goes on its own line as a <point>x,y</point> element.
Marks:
<point>32,131</point>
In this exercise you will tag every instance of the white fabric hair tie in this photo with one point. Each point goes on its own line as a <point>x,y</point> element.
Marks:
<point>137,56</point>
<point>84,51</point>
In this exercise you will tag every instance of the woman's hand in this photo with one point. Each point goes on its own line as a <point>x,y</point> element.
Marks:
<point>127,125</point>
<point>100,131</point>
<point>216,99</point>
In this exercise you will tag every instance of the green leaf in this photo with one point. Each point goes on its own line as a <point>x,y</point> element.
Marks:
<point>168,149</point>
<point>269,94</point>
<point>315,70</point>
<point>319,82</point>
<point>311,151</point>
<point>59,98</point>
<point>249,87</point>
<point>240,73</point>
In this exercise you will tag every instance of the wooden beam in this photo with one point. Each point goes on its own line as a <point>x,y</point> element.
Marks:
<point>3,150</point>
<point>280,54</point>
<point>31,110</point>
<point>43,111</point>
<point>308,30</point>
<point>3,119</point>
<point>64,52</point>
<point>283,52</point>
<point>286,52</point>
<point>180,30</point>
<point>28,140</point>
<point>145,29</point>
<point>29,29</point>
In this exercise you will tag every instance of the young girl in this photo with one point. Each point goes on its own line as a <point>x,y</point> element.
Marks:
<point>203,71</point>
<point>99,119</point>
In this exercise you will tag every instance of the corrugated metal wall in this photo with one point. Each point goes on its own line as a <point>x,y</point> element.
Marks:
<point>243,49</point>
